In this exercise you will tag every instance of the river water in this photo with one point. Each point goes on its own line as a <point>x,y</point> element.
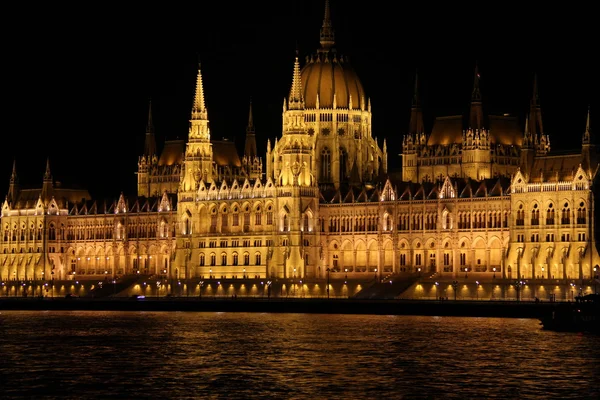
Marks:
<point>99,355</point>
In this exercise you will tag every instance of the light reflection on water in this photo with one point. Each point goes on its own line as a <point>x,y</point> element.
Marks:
<point>303,356</point>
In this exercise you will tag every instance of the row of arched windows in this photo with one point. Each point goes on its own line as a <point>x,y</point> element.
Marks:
<point>212,259</point>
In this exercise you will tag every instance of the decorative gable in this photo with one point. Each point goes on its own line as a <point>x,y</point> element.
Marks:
<point>5,208</point>
<point>165,204</point>
<point>581,181</point>
<point>388,193</point>
<point>121,205</point>
<point>447,190</point>
<point>519,183</point>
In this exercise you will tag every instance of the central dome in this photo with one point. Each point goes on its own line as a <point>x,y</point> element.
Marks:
<point>326,74</point>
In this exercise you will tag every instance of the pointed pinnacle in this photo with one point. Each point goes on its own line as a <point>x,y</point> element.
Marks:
<point>199,106</point>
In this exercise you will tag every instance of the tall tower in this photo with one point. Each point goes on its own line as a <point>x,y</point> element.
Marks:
<point>198,157</point>
<point>476,157</point>
<point>410,141</point>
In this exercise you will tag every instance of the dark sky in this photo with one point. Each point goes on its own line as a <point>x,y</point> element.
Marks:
<point>77,81</point>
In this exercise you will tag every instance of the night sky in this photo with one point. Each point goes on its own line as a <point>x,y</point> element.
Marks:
<point>77,82</point>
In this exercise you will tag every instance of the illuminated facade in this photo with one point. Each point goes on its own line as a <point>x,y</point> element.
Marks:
<point>489,200</point>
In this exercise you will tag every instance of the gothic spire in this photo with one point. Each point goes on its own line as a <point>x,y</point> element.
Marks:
<point>327,35</point>
<point>535,111</point>
<point>250,127</point>
<point>47,174</point>
<point>587,135</point>
<point>476,117</point>
<point>296,100</point>
<point>199,108</point>
<point>150,142</point>
<point>250,145</point>
<point>14,181</point>
<point>13,175</point>
<point>416,114</point>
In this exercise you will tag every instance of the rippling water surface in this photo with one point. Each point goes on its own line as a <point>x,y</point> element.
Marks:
<point>298,356</point>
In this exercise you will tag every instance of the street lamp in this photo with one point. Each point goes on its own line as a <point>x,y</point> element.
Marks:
<point>466,270</point>
<point>477,290</point>
<point>542,273</point>
<point>494,277</point>
<point>596,269</point>
<point>201,283</point>
<point>437,285</point>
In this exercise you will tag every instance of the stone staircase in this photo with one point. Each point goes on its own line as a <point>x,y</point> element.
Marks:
<point>391,288</point>
<point>110,289</point>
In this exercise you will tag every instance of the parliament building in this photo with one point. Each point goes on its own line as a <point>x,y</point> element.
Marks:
<point>478,194</point>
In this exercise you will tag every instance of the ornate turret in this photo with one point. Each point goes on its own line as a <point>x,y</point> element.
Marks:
<point>198,153</point>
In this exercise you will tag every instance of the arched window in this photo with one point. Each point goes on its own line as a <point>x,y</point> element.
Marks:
<point>201,261</point>
<point>235,259</point>
<point>246,259</point>
<point>520,215</point>
<point>52,232</point>
<point>257,259</point>
<point>213,259</point>
<point>565,218</point>
<point>223,259</point>
<point>305,223</point>
<point>550,215</point>
<point>581,214</point>
<point>535,215</point>
<point>285,224</point>
<point>325,165</point>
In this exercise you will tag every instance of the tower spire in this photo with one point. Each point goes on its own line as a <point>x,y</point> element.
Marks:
<point>13,187</point>
<point>535,111</point>
<point>296,100</point>
<point>250,145</point>
<point>47,174</point>
<point>13,175</point>
<point>476,117</point>
<point>150,142</point>
<point>327,34</point>
<point>199,108</point>
<point>416,114</point>
<point>587,135</point>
